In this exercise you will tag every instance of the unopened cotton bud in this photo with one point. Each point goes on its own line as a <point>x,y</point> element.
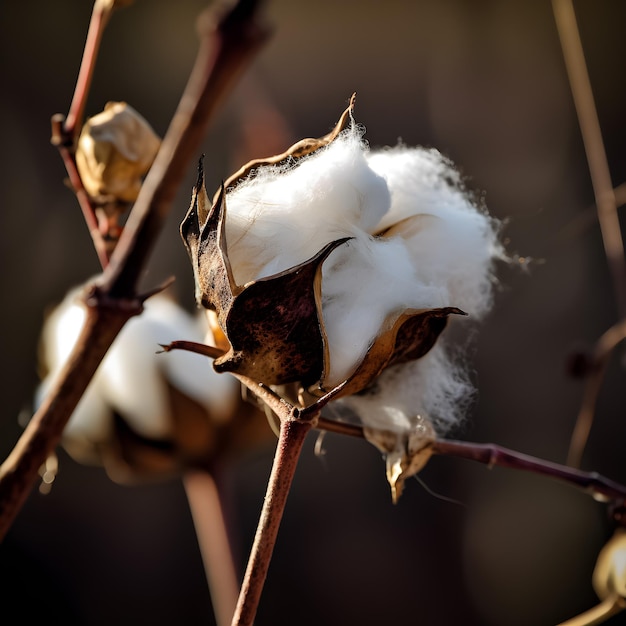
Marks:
<point>115,150</point>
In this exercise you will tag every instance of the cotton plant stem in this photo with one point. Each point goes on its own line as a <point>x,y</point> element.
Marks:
<point>65,129</point>
<point>99,18</point>
<point>594,146</point>
<point>606,202</point>
<point>84,201</point>
<point>211,530</point>
<point>292,436</point>
<point>598,486</point>
<point>593,384</point>
<point>237,38</point>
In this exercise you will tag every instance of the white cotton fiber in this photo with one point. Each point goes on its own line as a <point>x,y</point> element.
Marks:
<point>455,251</point>
<point>435,387</point>
<point>363,282</point>
<point>132,378</point>
<point>283,216</point>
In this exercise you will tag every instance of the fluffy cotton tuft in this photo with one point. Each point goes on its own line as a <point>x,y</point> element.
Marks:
<point>418,241</point>
<point>132,377</point>
<point>457,247</point>
<point>283,216</point>
<point>435,387</point>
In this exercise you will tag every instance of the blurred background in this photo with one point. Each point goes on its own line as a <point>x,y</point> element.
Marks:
<point>484,82</point>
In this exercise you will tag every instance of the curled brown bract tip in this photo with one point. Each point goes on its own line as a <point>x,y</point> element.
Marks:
<point>300,149</point>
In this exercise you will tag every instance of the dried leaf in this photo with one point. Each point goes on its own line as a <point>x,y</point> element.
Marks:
<point>405,453</point>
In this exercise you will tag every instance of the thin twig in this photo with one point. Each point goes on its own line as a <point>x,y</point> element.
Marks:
<point>100,15</point>
<point>600,488</point>
<point>223,55</point>
<point>65,129</point>
<point>66,151</point>
<point>292,435</point>
<point>211,530</point>
<point>594,147</point>
<point>593,383</point>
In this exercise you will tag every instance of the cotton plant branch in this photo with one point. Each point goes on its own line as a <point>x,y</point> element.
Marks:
<point>594,371</point>
<point>594,146</point>
<point>609,607</point>
<point>65,129</point>
<point>226,49</point>
<point>492,455</point>
<point>605,197</point>
<point>296,421</point>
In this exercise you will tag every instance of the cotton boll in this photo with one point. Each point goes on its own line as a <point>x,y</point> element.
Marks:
<point>283,216</point>
<point>434,388</point>
<point>132,378</point>
<point>455,251</point>
<point>363,282</point>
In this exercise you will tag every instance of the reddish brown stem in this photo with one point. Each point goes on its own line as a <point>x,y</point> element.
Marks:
<point>99,17</point>
<point>292,435</point>
<point>238,38</point>
<point>84,201</point>
<point>490,454</point>
<point>65,130</point>
<point>597,486</point>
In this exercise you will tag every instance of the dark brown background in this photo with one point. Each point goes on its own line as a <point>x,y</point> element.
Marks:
<point>483,81</point>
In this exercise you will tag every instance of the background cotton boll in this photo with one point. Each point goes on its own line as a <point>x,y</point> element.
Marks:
<point>331,194</point>
<point>192,373</point>
<point>433,387</point>
<point>132,379</point>
<point>364,281</point>
<point>91,420</point>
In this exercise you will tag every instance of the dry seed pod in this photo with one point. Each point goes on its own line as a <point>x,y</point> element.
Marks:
<point>115,150</point>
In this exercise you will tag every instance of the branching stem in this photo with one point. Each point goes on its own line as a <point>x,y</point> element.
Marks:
<point>224,53</point>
